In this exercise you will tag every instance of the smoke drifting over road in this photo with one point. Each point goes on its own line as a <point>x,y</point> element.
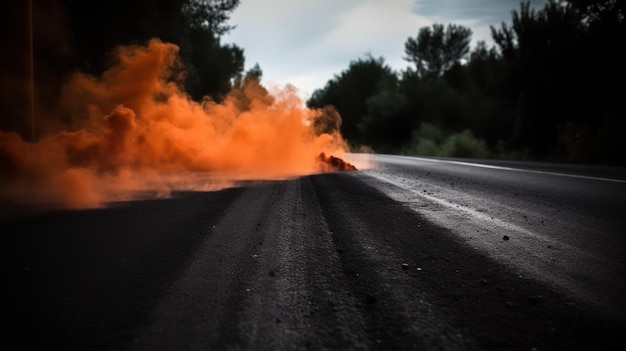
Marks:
<point>133,129</point>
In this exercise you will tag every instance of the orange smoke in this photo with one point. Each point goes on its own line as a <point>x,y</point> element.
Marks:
<point>133,131</point>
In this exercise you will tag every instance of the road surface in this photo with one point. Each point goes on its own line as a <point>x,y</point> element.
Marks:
<point>410,253</point>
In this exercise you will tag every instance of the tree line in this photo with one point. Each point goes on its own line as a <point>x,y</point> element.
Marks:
<point>550,88</point>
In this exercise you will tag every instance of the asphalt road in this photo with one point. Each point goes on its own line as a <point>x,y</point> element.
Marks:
<point>409,254</point>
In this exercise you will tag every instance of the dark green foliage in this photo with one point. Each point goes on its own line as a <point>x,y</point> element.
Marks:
<point>435,50</point>
<point>209,15</point>
<point>95,28</point>
<point>565,66</point>
<point>429,140</point>
<point>210,65</point>
<point>387,122</point>
<point>350,91</point>
<point>550,89</point>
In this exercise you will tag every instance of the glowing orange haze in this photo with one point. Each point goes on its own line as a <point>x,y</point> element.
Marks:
<point>139,132</point>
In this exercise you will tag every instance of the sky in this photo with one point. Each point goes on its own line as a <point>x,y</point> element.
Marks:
<point>304,43</point>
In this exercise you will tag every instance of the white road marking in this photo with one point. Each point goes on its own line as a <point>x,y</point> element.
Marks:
<point>481,165</point>
<point>473,215</point>
<point>528,251</point>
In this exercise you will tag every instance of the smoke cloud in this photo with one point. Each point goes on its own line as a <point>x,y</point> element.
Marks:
<point>133,131</point>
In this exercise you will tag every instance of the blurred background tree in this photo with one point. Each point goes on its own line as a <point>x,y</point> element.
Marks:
<point>196,26</point>
<point>550,88</point>
<point>436,50</point>
<point>350,91</point>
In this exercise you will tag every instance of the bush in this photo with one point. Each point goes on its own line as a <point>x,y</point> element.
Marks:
<point>429,140</point>
<point>465,145</point>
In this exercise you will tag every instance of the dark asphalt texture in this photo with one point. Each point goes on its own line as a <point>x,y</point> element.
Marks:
<point>319,262</point>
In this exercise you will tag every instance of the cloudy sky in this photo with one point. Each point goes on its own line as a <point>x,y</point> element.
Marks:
<point>306,42</point>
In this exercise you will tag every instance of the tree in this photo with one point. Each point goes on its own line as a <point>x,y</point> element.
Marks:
<point>210,66</point>
<point>564,79</point>
<point>194,25</point>
<point>594,11</point>
<point>435,50</point>
<point>349,92</point>
<point>210,15</point>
